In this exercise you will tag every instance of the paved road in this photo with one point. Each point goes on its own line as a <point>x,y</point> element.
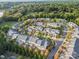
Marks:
<point>54,50</point>
<point>76,50</point>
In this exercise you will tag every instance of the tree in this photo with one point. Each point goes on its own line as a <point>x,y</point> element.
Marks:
<point>77,21</point>
<point>5,28</point>
<point>20,57</point>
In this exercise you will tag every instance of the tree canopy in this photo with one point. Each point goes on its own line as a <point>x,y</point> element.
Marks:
<point>43,10</point>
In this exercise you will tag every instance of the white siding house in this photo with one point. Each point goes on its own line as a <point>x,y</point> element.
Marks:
<point>52,32</point>
<point>54,24</point>
<point>14,36</point>
<point>11,32</point>
<point>21,39</point>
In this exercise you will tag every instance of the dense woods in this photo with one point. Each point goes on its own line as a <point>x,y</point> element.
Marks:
<point>68,11</point>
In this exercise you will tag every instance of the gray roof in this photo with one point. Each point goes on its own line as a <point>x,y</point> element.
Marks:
<point>46,44</point>
<point>33,39</point>
<point>39,42</point>
<point>43,43</point>
<point>15,26</point>
<point>39,23</point>
<point>55,24</point>
<point>39,28</point>
<point>14,36</point>
<point>11,32</point>
<point>51,31</point>
<point>72,24</point>
<point>21,39</point>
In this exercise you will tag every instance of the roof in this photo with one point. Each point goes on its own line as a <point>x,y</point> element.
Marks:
<point>39,28</point>
<point>55,24</point>
<point>56,31</point>
<point>14,36</point>
<point>33,39</point>
<point>42,44</point>
<point>22,38</point>
<point>29,29</point>
<point>39,42</point>
<point>72,24</point>
<point>11,32</point>
<point>39,23</point>
<point>51,31</point>
<point>46,43</point>
<point>15,26</point>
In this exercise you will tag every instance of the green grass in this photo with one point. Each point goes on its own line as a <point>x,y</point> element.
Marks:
<point>7,23</point>
<point>9,54</point>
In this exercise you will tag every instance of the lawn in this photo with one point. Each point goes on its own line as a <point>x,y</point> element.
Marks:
<point>8,23</point>
<point>12,54</point>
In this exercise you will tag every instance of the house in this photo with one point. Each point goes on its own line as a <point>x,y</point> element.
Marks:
<point>55,31</point>
<point>11,32</point>
<point>15,26</point>
<point>39,28</point>
<point>42,44</point>
<point>14,36</point>
<point>71,24</point>
<point>38,44</point>
<point>52,32</point>
<point>34,19</point>
<point>31,29</point>
<point>28,19</point>
<point>21,39</point>
<point>32,41</point>
<point>47,19</point>
<point>39,23</point>
<point>55,24</point>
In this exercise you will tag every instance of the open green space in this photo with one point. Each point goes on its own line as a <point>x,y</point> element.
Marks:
<point>8,24</point>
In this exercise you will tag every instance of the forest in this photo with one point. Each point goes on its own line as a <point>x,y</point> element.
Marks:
<point>23,11</point>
